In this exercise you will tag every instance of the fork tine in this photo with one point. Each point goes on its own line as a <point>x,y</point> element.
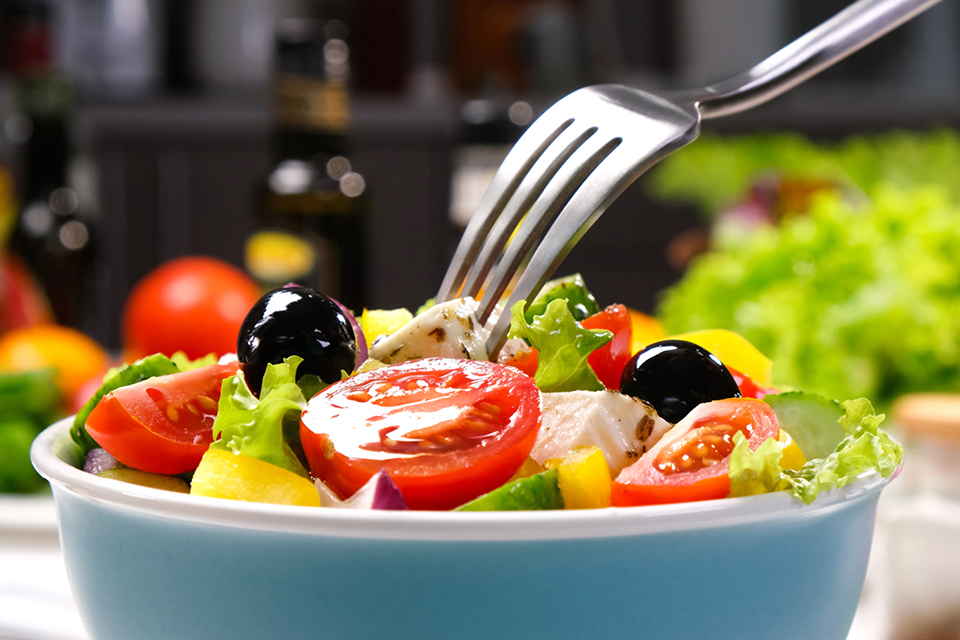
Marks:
<point>620,168</point>
<point>545,210</point>
<point>515,166</point>
<point>530,188</point>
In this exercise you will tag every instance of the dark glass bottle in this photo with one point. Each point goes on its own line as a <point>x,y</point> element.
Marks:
<point>310,228</point>
<point>53,233</point>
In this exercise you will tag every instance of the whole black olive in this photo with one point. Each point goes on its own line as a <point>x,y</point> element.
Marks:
<point>296,321</point>
<point>675,376</point>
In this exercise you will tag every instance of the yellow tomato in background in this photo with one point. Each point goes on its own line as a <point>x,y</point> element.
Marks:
<point>76,357</point>
<point>646,329</point>
<point>733,350</point>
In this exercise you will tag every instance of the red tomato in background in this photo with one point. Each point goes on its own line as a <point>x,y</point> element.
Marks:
<point>163,424</point>
<point>609,360</point>
<point>444,430</point>
<point>748,386</point>
<point>193,304</point>
<point>691,461</point>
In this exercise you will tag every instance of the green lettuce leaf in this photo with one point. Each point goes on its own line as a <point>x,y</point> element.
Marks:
<point>573,290</point>
<point>149,367</point>
<point>255,428</point>
<point>866,448</point>
<point>755,472</point>
<point>562,345</point>
<point>186,364</point>
<point>849,300</point>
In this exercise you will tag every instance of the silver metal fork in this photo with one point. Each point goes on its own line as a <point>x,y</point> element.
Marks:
<point>581,154</point>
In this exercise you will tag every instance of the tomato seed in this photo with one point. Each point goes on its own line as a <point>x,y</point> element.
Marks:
<point>207,404</point>
<point>172,413</point>
<point>490,408</point>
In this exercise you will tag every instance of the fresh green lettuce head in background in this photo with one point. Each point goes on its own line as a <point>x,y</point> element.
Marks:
<point>717,172</point>
<point>848,301</point>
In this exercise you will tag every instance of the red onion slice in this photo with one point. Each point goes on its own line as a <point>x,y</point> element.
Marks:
<point>357,332</point>
<point>98,460</point>
<point>379,493</point>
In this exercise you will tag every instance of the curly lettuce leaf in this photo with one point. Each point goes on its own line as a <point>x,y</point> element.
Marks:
<point>563,347</point>
<point>849,300</point>
<point>755,472</point>
<point>866,448</point>
<point>573,290</point>
<point>184,363</point>
<point>149,367</point>
<point>255,428</point>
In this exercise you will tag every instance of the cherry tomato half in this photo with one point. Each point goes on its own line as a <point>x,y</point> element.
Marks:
<point>609,360</point>
<point>163,424</point>
<point>444,430</point>
<point>691,461</point>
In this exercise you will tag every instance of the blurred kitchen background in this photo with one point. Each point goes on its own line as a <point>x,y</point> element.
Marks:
<point>149,123</point>
<point>133,132</point>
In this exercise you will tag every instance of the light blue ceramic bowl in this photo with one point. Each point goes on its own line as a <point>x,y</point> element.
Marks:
<point>151,565</point>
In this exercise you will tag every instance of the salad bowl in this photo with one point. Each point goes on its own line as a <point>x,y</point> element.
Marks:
<point>149,564</point>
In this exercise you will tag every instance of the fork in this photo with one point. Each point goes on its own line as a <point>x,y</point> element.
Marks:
<point>587,148</point>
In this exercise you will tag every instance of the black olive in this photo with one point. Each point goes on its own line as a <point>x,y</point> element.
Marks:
<point>296,321</point>
<point>675,376</point>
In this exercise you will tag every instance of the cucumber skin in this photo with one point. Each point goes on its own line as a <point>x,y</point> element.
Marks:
<point>811,420</point>
<point>538,492</point>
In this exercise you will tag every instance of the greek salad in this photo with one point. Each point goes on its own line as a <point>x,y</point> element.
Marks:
<point>391,410</point>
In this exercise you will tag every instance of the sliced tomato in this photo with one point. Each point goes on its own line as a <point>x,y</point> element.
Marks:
<point>609,360</point>
<point>749,388</point>
<point>444,430</point>
<point>163,424</point>
<point>692,460</point>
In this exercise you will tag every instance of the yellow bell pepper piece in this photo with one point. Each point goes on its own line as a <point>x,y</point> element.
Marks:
<point>224,474</point>
<point>644,330</point>
<point>584,478</point>
<point>793,457</point>
<point>733,350</point>
<point>382,322</point>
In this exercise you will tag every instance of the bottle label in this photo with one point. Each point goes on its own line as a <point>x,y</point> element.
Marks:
<point>309,103</point>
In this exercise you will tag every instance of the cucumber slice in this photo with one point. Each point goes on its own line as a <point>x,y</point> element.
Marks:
<point>536,492</point>
<point>146,479</point>
<point>811,419</point>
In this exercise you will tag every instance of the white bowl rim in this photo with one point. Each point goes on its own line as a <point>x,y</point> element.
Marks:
<point>435,525</point>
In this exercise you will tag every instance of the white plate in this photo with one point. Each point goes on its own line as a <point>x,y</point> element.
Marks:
<point>27,514</point>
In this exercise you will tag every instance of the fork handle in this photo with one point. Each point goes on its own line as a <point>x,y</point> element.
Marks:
<point>854,27</point>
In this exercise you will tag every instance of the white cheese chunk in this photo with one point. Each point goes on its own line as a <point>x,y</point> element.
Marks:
<point>447,330</point>
<point>623,427</point>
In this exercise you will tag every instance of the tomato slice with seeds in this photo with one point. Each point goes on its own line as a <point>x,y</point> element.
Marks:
<point>444,430</point>
<point>162,424</point>
<point>692,460</point>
